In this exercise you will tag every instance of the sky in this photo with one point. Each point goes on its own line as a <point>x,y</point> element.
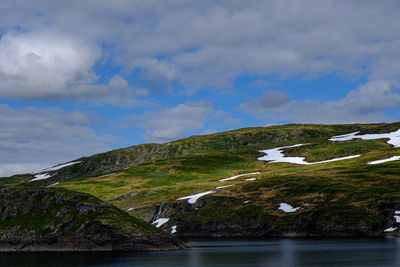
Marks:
<point>83,77</point>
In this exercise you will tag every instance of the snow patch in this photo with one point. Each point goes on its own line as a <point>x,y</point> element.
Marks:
<point>41,176</point>
<point>129,209</point>
<point>276,155</point>
<point>397,218</point>
<point>394,137</point>
<point>250,179</point>
<point>56,183</point>
<point>384,160</point>
<point>220,187</point>
<point>105,175</point>
<point>335,159</point>
<point>287,208</point>
<point>344,137</point>
<point>193,198</point>
<point>237,176</point>
<point>173,229</point>
<point>44,174</point>
<point>247,201</point>
<point>397,212</point>
<point>160,221</point>
<point>57,167</point>
<point>390,229</point>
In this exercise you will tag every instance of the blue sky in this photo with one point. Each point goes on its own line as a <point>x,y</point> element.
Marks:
<point>81,78</point>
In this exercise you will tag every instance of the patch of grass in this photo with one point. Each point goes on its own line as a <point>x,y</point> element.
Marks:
<point>329,150</point>
<point>165,180</point>
<point>14,180</point>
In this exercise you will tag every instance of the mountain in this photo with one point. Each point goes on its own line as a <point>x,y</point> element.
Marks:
<point>35,219</point>
<point>289,180</point>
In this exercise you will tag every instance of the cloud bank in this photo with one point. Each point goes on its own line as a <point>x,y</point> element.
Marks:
<point>34,138</point>
<point>202,45</point>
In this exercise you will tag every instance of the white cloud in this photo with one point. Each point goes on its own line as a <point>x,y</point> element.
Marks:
<point>42,64</point>
<point>32,138</point>
<point>117,92</point>
<point>49,65</point>
<point>222,117</point>
<point>269,99</point>
<point>367,103</point>
<point>173,123</point>
<point>373,96</point>
<point>8,169</point>
<point>212,42</point>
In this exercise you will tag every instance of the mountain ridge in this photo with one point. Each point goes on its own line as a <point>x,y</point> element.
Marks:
<point>122,158</point>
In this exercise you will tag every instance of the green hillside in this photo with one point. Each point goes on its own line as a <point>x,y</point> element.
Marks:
<point>346,197</point>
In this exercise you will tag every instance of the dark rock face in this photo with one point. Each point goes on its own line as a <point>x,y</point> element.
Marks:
<point>117,160</point>
<point>58,219</point>
<point>203,219</point>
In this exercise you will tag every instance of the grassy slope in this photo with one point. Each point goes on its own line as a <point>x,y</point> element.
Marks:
<point>153,184</point>
<point>344,192</point>
<point>247,139</point>
<point>339,193</point>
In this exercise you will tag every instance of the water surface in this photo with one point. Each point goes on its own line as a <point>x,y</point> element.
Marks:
<point>268,252</point>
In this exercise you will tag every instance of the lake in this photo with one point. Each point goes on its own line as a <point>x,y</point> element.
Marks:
<point>285,252</point>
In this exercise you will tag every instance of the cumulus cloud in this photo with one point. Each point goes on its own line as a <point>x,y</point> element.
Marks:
<point>42,64</point>
<point>372,97</point>
<point>173,123</point>
<point>208,44</point>
<point>32,138</point>
<point>367,103</point>
<point>52,66</point>
<point>214,42</point>
<point>160,75</point>
<point>269,99</point>
<point>116,92</point>
<point>221,117</point>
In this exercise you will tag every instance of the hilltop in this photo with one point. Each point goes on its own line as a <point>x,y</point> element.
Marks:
<point>285,180</point>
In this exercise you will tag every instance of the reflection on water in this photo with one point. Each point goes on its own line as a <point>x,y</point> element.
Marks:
<point>268,252</point>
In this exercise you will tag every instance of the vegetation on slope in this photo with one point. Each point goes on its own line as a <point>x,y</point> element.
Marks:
<point>344,197</point>
<point>247,139</point>
<point>59,219</point>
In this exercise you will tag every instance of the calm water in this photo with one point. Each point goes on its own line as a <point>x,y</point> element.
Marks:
<point>269,252</point>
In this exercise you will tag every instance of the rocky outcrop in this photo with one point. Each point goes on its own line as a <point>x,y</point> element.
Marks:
<point>121,159</point>
<point>228,217</point>
<point>58,219</point>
